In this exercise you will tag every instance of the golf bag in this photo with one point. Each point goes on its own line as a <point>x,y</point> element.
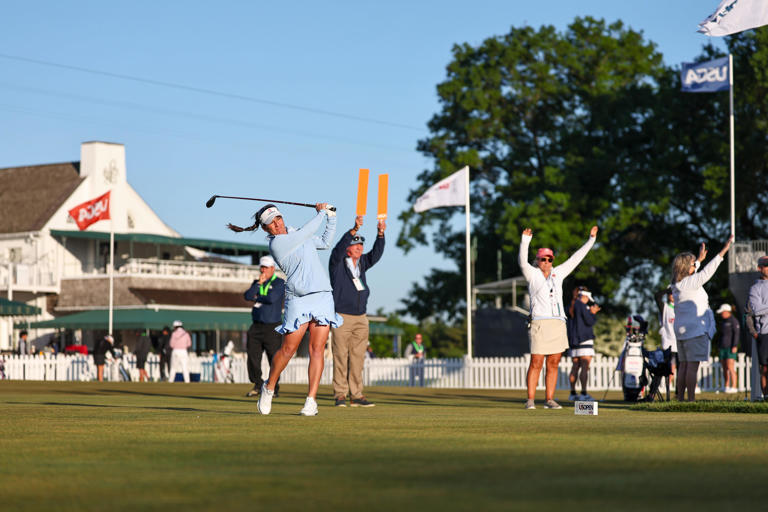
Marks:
<point>632,361</point>
<point>122,366</point>
<point>222,365</point>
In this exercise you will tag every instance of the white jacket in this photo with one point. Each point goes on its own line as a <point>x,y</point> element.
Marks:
<point>547,293</point>
<point>692,314</point>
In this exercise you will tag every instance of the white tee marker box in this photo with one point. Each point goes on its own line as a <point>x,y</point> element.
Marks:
<point>585,408</point>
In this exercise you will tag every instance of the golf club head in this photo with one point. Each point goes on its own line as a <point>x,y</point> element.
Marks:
<point>210,202</point>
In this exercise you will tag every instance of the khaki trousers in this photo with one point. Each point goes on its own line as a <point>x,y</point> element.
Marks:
<point>349,345</point>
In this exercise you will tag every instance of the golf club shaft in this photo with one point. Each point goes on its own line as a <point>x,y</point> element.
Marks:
<point>309,205</point>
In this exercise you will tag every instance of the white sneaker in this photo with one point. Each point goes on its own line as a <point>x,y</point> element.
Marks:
<point>573,397</point>
<point>586,397</point>
<point>264,405</point>
<point>310,407</point>
<point>731,390</point>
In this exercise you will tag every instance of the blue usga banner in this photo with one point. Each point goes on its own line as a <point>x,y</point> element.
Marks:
<point>710,76</point>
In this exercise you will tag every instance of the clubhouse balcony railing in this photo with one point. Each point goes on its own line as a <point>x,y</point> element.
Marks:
<point>189,269</point>
<point>478,373</point>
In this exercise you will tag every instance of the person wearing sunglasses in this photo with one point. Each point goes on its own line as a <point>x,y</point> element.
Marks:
<point>347,268</point>
<point>694,321</point>
<point>548,331</point>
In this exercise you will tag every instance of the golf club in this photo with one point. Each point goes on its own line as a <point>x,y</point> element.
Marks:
<point>212,200</point>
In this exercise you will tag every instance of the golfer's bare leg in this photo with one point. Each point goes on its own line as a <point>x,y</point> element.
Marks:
<point>534,370</point>
<point>726,377</point>
<point>681,381</point>
<point>574,376</point>
<point>550,380</point>
<point>690,379</point>
<point>318,336</point>
<point>584,364</point>
<point>284,354</point>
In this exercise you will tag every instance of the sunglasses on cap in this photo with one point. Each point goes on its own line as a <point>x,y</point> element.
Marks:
<point>546,258</point>
<point>357,239</point>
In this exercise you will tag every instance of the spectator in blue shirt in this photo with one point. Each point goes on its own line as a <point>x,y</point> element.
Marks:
<point>267,294</point>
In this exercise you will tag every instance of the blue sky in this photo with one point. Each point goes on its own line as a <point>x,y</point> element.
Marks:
<point>379,61</point>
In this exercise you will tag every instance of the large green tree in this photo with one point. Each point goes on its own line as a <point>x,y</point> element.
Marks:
<point>563,130</point>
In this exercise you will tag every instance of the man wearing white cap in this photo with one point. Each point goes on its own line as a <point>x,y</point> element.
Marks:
<point>180,342</point>
<point>267,294</point>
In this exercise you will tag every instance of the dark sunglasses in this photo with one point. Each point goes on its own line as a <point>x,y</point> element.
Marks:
<point>547,258</point>
<point>358,239</point>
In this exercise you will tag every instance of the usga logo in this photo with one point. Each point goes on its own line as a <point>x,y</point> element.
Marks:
<point>703,75</point>
<point>586,408</point>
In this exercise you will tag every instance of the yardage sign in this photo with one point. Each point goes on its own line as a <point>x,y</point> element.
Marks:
<point>585,408</point>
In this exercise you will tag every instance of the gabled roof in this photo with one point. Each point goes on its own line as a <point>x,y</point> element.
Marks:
<point>30,195</point>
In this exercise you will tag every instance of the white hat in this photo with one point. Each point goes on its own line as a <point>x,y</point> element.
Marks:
<point>177,323</point>
<point>724,307</point>
<point>585,293</point>
<point>266,261</point>
<point>268,215</point>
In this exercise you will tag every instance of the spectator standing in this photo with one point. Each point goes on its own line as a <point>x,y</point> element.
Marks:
<point>583,348</point>
<point>104,345</point>
<point>348,266</point>
<point>548,330</point>
<point>23,343</point>
<point>665,301</point>
<point>369,353</point>
<point>416,353</point>
<point>758,305</point>
<point>730,334</point>
<point>164,349</point>
<point>694,320</point>
<point>142,351</point>
<point>179,343</point>
<point>267,294</point>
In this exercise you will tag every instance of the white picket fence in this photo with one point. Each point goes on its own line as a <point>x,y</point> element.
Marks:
<point>477,373</point>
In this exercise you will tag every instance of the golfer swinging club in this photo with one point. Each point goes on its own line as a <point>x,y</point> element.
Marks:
<point>308,298</point>
<point>548,334</point>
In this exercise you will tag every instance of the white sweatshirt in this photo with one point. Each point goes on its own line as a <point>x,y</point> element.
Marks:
<point>692,314</point>
<point>547,293</point>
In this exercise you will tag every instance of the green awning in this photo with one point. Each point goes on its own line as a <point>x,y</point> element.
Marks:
<point>150,319</point>
<point>15,308</point>
<point>213,246</point>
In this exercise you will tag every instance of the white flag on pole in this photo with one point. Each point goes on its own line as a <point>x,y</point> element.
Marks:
<point>449,191</point>
<point>733,16</point>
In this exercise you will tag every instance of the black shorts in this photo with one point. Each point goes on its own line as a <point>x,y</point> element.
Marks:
<point>762,349</point>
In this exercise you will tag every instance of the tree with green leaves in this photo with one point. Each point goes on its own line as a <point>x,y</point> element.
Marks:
<point>564,130</point>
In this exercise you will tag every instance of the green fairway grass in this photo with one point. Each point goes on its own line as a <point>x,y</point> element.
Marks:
<point>132,446</point>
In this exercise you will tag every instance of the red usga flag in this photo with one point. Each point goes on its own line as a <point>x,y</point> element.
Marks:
<point>91,211</point>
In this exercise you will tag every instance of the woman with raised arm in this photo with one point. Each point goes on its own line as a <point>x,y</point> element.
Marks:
<point>694,321</point>
<point>548,333</point>
<point>308,298</point>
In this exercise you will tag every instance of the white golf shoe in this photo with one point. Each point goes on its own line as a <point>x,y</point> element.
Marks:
<point>264,405</point>
<point>310,407</point>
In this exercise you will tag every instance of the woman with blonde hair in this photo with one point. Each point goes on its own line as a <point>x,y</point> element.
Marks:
<point>694,320</point>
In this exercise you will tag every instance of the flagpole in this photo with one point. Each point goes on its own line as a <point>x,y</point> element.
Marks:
<point>733,154</point>
<point>111,268</point>
<point>468,266</point>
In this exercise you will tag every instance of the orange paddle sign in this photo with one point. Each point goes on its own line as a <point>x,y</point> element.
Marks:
<point>362,192</point>
<point>383,189</point>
